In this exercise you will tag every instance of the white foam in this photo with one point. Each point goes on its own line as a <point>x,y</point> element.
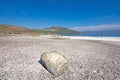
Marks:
<point>90,38</point>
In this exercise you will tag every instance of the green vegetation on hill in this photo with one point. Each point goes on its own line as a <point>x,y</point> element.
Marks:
<point>59,30</point>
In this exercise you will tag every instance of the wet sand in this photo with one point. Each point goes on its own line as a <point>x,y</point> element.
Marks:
<point>88,59</point>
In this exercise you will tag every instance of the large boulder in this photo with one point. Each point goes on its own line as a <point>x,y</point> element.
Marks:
<point>54,62</point>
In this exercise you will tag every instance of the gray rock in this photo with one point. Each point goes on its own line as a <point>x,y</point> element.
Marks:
<point>54,62</point>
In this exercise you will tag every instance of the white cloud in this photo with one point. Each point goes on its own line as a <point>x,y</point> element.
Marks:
<point>102,27</point>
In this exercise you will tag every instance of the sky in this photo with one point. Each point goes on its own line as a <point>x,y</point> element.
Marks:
<point>81,15</point>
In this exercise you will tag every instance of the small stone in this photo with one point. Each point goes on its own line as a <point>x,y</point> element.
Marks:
<point>54,62</point>
<point>94,71</point>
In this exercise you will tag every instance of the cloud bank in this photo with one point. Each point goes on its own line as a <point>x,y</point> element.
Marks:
<point>103,27</point>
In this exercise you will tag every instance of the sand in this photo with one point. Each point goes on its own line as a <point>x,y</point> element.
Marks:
<point>88,59</point>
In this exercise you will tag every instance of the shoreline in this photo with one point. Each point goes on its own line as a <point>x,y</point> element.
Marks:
<point>88,38</point>
<point>99,38</point>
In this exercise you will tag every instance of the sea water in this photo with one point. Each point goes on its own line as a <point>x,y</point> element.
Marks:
<point>93,34</point>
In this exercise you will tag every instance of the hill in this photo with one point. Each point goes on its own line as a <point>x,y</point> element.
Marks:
<point>11,29</point>
<point>59,30</point>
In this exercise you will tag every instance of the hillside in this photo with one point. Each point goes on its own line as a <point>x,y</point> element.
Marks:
<point>7,28</point>
<point>10,29</point>
<point>59,30</point>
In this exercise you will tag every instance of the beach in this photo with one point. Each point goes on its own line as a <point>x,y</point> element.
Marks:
<point>88,58</point>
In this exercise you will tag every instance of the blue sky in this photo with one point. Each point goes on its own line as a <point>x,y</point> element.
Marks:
<point>67,13</point>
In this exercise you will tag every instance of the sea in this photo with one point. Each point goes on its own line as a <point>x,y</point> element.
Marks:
<point>96,34</point>
<point>92,35</point>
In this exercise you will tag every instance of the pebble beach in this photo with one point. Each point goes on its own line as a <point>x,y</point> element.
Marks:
<point>88,59</point>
